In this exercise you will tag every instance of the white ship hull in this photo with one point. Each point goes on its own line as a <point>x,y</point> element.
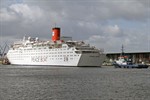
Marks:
<point>92,59</point>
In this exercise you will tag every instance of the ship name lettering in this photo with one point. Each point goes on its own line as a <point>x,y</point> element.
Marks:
<point>39,59</point>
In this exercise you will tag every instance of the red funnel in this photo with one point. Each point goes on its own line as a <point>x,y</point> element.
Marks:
<point>55,34</point>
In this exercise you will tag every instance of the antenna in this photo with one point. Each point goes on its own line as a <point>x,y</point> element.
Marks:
<point>122,50</point>
<point>55,24</point>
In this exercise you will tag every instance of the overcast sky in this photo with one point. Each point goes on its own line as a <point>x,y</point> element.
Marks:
<point>103,23</point>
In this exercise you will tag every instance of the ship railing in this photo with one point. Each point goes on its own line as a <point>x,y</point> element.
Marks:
<point>78,52</point>
<point>101,50</point>
<point>87,51</point>
<point>18,42</point>
<point>84,48</point>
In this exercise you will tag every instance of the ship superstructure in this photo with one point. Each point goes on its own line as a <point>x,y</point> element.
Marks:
<point>55,52</point>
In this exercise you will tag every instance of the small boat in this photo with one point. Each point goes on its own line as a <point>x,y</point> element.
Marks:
<point>5,61</point>
<point>124,62</point>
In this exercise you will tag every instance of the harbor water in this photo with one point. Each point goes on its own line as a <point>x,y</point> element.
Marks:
<point>73,83</point>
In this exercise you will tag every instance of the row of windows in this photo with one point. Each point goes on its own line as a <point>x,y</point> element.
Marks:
<point>41,49</point>
<point>41,53</point>
<point>14,56</point>
<point>38,54</point>
<point>20,58</point>
<point>17,59</point>
<point>61,59</point>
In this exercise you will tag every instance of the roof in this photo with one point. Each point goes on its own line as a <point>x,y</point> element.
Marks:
<point>130,52</point>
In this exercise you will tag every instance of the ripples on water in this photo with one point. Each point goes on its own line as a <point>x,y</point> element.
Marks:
<point>73,83</point>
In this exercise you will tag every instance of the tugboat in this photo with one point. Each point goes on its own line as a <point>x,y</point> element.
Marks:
<point>124,62</point>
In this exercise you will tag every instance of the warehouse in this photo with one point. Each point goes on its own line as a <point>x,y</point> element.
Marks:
<point>137,57</point>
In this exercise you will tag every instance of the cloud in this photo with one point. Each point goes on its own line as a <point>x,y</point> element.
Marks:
<point>133,10</point>
<point>22,12</point>
<point>134,41</point>
<point>5,15</point>
<point>103,23</point>
<point>112,30</point>
<point>94,10</point>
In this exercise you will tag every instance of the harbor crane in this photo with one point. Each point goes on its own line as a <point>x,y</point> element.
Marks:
<point>3,50</point>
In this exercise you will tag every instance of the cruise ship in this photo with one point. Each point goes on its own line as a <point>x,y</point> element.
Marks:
<point>54,52</point>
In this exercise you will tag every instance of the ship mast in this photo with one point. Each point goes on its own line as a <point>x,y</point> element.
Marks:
<point>122,50</point>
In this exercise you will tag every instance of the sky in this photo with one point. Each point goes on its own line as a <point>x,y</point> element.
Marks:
<point>105,24</point>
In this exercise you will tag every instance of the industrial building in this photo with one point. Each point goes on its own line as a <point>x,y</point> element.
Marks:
<point>137,57</point>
